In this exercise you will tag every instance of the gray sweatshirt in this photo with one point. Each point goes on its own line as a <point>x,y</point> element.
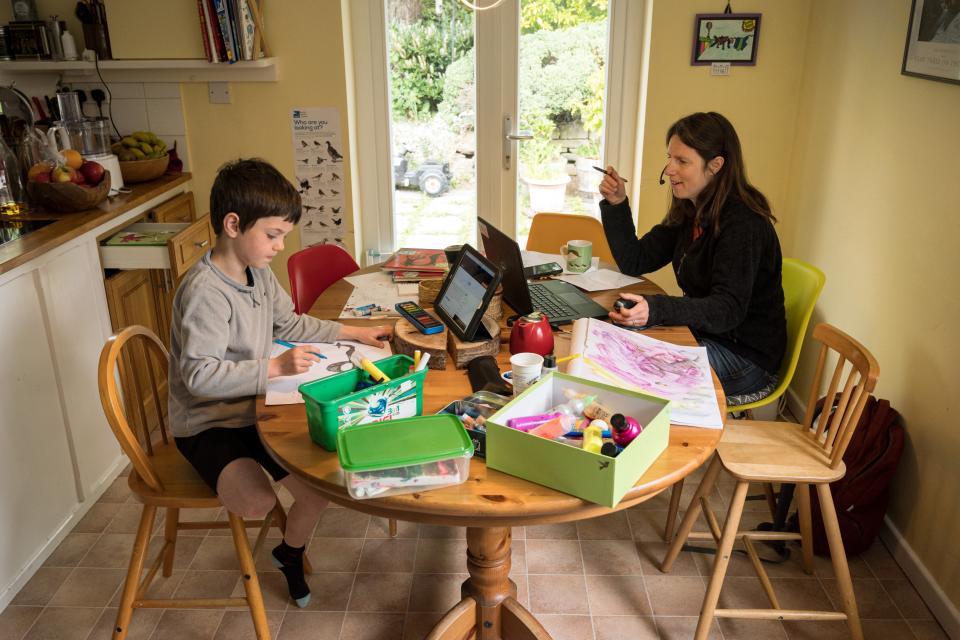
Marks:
<point>220,340</point>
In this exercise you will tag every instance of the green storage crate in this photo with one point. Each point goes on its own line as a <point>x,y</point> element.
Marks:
<point>414,454</point>
<point>591,476</point>
<point>332,404</point>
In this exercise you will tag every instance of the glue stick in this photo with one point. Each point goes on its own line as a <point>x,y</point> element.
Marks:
<point>592,440</point>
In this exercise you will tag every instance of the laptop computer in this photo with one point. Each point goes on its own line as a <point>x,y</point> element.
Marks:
<point>560,301</point>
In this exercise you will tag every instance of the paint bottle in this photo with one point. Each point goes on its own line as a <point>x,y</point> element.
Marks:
<point>574,406</point>
<point>624,429</point>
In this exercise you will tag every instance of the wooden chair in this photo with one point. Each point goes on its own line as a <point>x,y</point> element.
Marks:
<point>313,269</point>
<point>551,230</point>
<point>802,284</point>
<point>807,454</point>
<point>162,478</point>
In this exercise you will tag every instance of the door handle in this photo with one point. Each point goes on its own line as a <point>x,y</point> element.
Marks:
<point>201,245</point>
<point>509,137</point>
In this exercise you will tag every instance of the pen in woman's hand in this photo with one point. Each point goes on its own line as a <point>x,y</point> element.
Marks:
<point>605,172</point>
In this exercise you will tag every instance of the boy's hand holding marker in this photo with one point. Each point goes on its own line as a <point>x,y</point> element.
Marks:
<point>292,362</point>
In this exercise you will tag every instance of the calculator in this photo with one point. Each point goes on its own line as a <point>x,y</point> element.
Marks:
<point>423,321</point>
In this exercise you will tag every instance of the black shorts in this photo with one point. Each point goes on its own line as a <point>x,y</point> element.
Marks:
<point>213,449</point>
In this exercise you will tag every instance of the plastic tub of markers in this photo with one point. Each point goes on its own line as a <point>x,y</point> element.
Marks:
<point>406,456</point>
<point>335,403</point>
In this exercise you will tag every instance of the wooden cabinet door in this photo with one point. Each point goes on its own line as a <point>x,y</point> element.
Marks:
<point>180,208</point>
<point>131,298</point>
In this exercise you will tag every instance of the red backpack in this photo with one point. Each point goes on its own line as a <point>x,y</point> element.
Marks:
<point>862,495</point>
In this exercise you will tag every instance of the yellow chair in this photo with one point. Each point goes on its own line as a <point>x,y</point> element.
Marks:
<point>550,231</point>
<point>804,454</point>
<point>802,284</point>
<point>162,479</point>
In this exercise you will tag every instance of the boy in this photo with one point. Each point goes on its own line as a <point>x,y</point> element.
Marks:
<point>226,314</point>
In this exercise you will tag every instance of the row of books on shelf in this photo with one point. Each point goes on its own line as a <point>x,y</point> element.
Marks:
<point>414,265</point>
<point>228,30</point>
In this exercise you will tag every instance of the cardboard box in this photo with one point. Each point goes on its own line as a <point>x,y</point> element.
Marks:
<point>591,476</point>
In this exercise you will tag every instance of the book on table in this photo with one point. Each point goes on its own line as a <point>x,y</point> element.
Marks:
<point>430,262</point>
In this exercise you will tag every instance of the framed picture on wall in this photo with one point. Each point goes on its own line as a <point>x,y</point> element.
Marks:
<point>933,41</point>
<point>725,37</point>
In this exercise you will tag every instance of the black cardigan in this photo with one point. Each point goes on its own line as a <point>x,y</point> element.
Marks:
<point>731,279</point>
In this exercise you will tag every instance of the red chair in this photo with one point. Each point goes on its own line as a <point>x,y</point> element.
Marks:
<point>314,269</point>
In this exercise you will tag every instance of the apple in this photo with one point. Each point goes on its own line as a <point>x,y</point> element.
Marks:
<point>39,168</point>
<point>92,172</point>
<point>63,174</point>
<point>41,177</point>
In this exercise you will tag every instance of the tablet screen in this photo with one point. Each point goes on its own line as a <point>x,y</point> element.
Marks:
<point>467,292</point>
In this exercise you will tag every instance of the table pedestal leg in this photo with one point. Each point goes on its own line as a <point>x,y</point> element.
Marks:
<point>489,609</point>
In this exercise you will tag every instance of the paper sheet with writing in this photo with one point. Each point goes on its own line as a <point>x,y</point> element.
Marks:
<point>599,280</point>
<point>379,289</point>
<point>336,359</point>
<point>635,361</point>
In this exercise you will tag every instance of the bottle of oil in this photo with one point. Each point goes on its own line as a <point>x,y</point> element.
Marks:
<point>12,196</point>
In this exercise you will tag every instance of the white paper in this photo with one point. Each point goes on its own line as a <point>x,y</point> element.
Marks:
<point>376,288</point>
<point>599,280</point>
<point>283,390</point>
<point>635,361</point>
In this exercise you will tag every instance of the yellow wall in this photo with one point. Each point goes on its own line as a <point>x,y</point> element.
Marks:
<point>760,101</point>
<point>873,199</point>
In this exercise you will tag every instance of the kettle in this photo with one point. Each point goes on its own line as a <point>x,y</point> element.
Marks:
<point>532,334</point>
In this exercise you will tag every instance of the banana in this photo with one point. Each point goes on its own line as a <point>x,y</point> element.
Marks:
<point>129,141</point>
<point>140,155</point>
<point>141,136</point>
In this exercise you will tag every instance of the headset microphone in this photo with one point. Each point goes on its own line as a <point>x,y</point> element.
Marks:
<point>662,181</point>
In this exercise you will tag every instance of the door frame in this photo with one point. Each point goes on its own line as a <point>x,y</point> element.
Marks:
<point>368,104</point>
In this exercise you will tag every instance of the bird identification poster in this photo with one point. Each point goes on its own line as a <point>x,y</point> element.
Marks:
<point>318,169</point>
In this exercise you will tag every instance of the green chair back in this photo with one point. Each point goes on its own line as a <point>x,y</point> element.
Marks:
<point>802,284</point>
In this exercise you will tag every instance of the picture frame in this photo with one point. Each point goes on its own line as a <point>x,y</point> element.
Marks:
<point>725,37</point>
<point>932,50</point>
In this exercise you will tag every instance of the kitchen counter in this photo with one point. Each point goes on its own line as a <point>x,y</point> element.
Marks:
<point>68,226</point>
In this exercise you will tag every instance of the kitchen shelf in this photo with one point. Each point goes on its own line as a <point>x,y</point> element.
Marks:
<point>163,70</point>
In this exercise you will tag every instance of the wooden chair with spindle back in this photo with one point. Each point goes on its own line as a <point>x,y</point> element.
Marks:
<point>805,454</point>
<point>161,478</point>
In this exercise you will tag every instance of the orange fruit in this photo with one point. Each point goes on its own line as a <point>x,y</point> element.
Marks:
<point>72,158</point>
<point>38,168</point>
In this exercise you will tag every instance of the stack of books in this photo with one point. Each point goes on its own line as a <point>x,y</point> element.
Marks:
<point>228,30</point>
<point>414,265</point>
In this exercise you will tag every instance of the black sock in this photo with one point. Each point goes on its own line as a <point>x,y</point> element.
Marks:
<point>290,561</point>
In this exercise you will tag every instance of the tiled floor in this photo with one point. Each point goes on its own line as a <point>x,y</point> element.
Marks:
<point>595,579</point>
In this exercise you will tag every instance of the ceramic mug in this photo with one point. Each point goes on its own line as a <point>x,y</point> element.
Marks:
<point>526,368</point>
<point>578,255</point>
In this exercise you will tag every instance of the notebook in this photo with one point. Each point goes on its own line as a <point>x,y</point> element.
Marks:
<point>560,301</point>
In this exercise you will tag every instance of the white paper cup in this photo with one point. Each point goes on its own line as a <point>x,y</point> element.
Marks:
<point>526,370</point>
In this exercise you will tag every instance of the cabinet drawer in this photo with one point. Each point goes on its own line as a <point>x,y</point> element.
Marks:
<point>180,252</point>
<point>177,209</point>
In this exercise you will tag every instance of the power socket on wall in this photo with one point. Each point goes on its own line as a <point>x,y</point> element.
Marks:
<point>218,92</point>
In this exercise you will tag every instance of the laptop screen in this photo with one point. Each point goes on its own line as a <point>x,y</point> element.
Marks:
<point>504,252</point>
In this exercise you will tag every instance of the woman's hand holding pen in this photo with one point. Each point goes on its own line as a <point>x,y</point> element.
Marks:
<point>373,336</point>
<point>612,187</point>
<point>292,362</point>
<point>636,316</point>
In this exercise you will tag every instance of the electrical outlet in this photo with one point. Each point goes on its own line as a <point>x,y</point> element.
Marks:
<point>718,69</point>
<point>219,92</point>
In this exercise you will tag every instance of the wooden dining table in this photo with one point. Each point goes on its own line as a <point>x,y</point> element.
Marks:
<point>489,503</point>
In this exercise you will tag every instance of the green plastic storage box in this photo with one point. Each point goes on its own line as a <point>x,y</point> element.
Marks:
<point>414,454</point>
<point>333,404</point>
<point>591,476</point>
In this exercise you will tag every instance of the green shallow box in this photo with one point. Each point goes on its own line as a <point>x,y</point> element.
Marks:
<point>332,404</point>
<point>591,476</point>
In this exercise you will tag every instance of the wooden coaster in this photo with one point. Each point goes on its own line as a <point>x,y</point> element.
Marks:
<point>406,340</point>
<point>463,352</point>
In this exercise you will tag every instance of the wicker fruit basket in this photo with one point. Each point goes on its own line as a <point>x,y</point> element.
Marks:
<point>143,170</point>
<point>66,196</point>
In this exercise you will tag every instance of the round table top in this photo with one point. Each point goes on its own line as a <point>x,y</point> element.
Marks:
<point>488,498</point>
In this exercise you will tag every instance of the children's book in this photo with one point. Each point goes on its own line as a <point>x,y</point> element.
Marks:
<point>431,260</point>
<point>139,238</point>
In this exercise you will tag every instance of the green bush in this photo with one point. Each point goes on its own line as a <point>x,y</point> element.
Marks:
<point>550,15</point>
<point>420,53</point>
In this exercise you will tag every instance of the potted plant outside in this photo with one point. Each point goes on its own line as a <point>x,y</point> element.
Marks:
<point>544,172</point>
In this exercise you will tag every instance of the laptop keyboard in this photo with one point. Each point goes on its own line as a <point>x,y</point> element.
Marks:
<point>546,301</point>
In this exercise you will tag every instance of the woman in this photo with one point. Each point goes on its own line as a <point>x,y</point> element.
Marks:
<point>719,236</point>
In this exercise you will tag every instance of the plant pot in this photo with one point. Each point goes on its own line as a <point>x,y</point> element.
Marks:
<point>547,194</point>
<point>588,178</point>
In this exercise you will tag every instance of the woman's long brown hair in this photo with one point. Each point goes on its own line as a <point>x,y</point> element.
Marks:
<point>712,135</point>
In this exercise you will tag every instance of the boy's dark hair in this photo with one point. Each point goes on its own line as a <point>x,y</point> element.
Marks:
<point>252,189</point>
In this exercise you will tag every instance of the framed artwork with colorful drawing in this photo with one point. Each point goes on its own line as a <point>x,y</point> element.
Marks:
<point>725,37</point>
<point>933,41</point>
